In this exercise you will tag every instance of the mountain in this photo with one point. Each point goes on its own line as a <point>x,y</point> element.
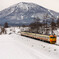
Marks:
<point>24,13</point>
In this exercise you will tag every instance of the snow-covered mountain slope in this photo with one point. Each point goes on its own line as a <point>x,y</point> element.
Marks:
<point>24,13</point>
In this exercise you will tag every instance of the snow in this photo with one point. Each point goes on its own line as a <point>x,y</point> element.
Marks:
<point>22,6</point>
<point>15,46</point>
<point>22,17</point>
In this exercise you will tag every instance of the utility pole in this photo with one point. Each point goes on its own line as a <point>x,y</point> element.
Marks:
<point>46,17</point>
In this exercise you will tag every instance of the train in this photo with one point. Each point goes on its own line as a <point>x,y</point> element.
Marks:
<point>48,38</point>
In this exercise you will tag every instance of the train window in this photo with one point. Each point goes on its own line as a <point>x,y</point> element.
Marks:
<point>52,37</point>
<point>47,37</point>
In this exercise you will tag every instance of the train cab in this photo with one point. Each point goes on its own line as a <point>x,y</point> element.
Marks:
<point>52,39</point>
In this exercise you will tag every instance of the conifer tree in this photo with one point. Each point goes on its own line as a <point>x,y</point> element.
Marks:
<point>6,25</point>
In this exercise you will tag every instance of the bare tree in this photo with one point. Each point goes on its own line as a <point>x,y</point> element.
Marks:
<point>53,25</point>
<point>35,25</point>
<point>57,23</point>
<point>3,30</point>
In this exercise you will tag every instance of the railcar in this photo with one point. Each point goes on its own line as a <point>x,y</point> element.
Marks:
<point>49,38</point>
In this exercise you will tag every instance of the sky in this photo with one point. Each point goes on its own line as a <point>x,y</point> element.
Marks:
<point>50,4</point>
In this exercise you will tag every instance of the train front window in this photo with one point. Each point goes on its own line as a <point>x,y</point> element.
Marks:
<point>52,37</point>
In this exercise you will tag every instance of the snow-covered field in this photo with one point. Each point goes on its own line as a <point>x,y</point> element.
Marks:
<point>15,46</point>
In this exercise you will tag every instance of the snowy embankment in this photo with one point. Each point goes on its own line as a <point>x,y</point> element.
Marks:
<point>15,46</point>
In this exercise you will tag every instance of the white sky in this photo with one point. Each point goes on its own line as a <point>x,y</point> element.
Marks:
<point>50,4</point>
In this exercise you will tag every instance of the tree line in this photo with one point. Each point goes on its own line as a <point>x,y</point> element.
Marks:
<point>37,25</point>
